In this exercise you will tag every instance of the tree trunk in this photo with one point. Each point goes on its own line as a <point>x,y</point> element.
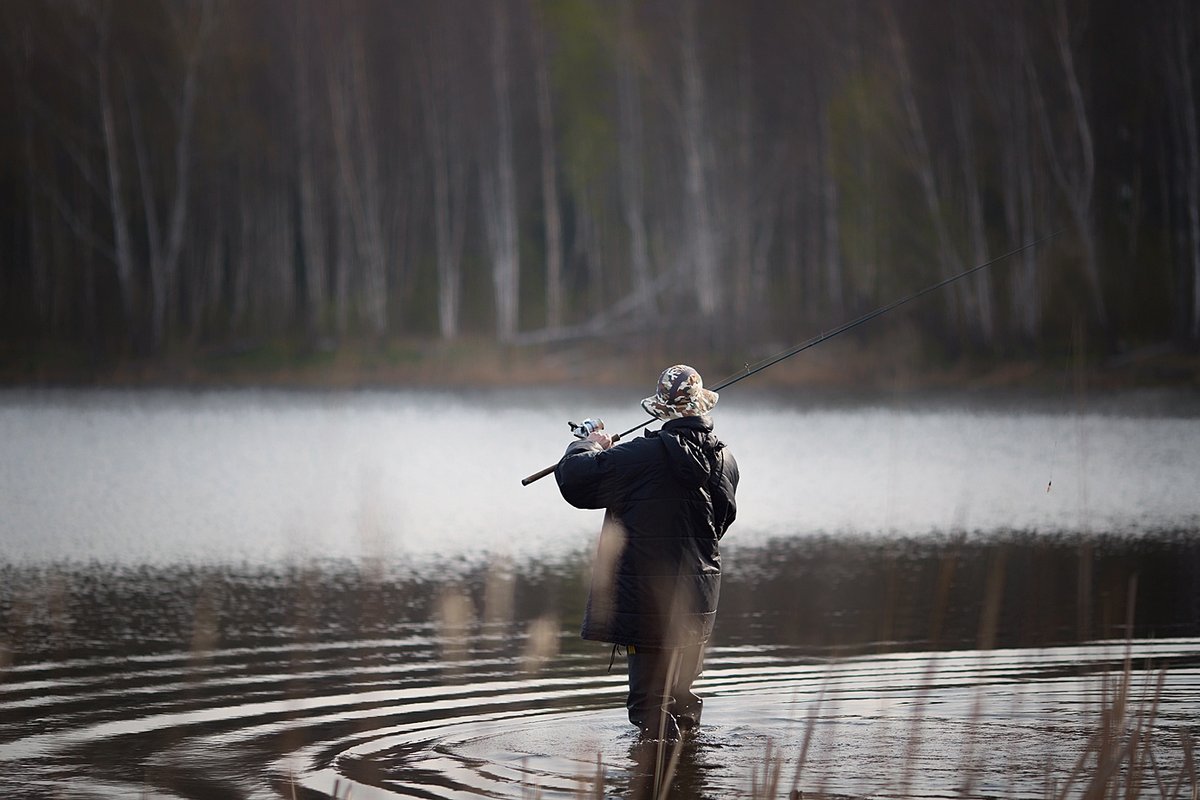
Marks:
<point>629,110</point>
<point>960,106</point>
<point>1017,175</point>
<point>737,196</point>
<point>1072,160</point>
<point>790,210</point>
<point>120,221</point>
<point>164,248</point>
<point>696,190</point>
<point>550,211</point>
<point>948,258</point>
<point>35,254</point>
<point>835,292</point>
<point>1082,197</point>
<point>370,205</point>
<point>442,126</point>
<point>239,258</point>
<point>359,185</point>
<point>1191,148</point>
<point>280,252</point>
<point>499,188</point>
<point>313,236</point>
<point>343,261</point>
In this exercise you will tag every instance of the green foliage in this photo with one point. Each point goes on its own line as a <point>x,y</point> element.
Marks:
<point>581,67</point>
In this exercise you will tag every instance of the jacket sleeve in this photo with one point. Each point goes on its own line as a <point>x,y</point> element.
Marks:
<point>724,501</point>
<point>587,477</point>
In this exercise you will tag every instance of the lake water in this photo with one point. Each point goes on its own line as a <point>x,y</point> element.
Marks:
<point>278,594</point>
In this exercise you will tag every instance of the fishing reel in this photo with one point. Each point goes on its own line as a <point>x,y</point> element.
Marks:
<point>582,430</point>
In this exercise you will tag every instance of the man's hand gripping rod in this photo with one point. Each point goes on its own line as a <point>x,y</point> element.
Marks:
<point>581,430</point>
<point>816,340</point>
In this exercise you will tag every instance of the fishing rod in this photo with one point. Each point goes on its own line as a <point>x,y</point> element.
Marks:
<point>824,337</point>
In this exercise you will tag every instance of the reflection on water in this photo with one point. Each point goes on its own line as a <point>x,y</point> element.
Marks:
<point>865,663</point>
<point>268,477</point>
<point>304,595</point>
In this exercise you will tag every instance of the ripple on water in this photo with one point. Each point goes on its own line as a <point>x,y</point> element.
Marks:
<point>341,679</point>
<point>915,724</point>
<point>329,720</point>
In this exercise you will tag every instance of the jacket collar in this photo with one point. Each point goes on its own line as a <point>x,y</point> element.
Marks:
<point>699,423</point>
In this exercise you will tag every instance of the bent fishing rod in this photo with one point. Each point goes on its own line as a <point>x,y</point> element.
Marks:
<point>754,369</point>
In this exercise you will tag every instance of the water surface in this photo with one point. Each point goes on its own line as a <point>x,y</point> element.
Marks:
<point>273,594</point>
<point>263,476</point>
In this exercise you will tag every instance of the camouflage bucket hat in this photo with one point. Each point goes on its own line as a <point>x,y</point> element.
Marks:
<point>681,393</point>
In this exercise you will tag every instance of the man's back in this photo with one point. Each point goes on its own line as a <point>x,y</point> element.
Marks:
<point>670,498</point>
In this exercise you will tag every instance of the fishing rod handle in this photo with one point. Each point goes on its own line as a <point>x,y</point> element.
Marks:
<point>541,473</point>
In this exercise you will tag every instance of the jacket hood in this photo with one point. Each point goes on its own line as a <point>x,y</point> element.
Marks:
<point>691,447</point>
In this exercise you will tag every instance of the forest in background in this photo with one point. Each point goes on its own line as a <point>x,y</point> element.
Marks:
<point>190,176</point>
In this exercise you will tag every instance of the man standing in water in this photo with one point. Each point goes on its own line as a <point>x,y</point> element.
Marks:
<point>669,498</point>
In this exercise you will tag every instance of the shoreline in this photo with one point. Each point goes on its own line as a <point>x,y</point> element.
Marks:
<point>847,366</point>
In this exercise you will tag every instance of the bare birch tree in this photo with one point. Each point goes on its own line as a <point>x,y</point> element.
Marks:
<point>1017,171</point>
<point>961,93</point>
<point>1179,62</point>
<point>120,218</point>
<point>631,155</point>
<point>359,178</point>
<point>313,235</point>
<point>20,55</point>
<point>191,26</point>
<point>740,208</point>
<point>694,125</point>
<point>498,186</point>
<point>443,124</point>
<point>1071,155</point>
<point>835,290</point>
<point>551,218</point>
<point>922,162</point>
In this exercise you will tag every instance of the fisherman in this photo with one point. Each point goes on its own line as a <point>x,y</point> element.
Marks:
<point>669,498</point>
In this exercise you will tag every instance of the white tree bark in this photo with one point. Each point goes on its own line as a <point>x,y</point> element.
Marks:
<point>630,138</point>
<point>358,175</point>
<point>960,104</point>
<point>1017,179</point>
<point>831,233</point>
<point>375,278</point>
<point>948,259</point>
<point>240,259</point>
<point>550,210</point>
<point>280,253</point>
<point>740,211</point>
<point>164,248</point>
<point>1071,157</point>
<point>448,165</point>
<point>1190,146</point>
<point>22,63</point>
<point>694,122</point>
<point>120,221</point>
<point>499,188</point>
<point>313,236</point>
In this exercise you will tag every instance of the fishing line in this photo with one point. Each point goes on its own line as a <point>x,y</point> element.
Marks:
<point>770,361</point>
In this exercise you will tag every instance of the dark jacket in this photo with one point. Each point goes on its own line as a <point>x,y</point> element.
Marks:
<point>669,497</point>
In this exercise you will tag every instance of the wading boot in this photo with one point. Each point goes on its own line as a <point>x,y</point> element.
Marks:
<point>688,717</point>
<point>669,733</point>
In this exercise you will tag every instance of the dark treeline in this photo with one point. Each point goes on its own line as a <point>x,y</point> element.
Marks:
<point>185,174</point>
